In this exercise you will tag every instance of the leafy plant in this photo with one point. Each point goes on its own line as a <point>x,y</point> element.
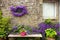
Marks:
<point>4,25</point>
<point>22,28</point>
<point>45,25</point>
<point>48,24</point>
<point>48,21</point>
<point>17,29</point>
<point>50,33</point>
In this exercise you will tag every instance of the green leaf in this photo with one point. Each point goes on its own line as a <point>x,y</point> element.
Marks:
<point>50,32</point>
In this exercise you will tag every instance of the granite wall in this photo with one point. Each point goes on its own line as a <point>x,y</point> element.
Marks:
<point>34,8</point>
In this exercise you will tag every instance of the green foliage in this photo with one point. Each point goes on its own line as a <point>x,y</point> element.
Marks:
<point>0,14</point>
<point>50,33</point>
<point>28,28</point>
<point>19,29</point>
<point>48,21</point>
<point>4,25</point>
<point>22,28</point>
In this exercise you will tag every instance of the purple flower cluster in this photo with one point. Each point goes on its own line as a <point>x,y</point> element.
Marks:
<point>35,30</point>
<point>58,33</point>
<point>32,30</point>
<point>18,10</point>
<point>57,27</point>
<point>43,26</point>
<point>14,29</point>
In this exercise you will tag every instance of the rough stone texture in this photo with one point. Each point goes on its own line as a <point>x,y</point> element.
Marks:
<point>34,8</point>
<point>59,16</point>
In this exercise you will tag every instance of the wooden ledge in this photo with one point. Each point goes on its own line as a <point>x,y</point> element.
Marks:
<point>31,35</point>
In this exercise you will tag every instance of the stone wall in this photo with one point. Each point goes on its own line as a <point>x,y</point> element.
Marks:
<point>59,18</point>
<point>34,8</point>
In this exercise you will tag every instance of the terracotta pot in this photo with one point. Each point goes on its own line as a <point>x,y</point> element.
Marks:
<point>50,39</point>
<point>2,39</point>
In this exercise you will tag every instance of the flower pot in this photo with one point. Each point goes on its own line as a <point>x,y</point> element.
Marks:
<point>50,38</point>
<point>2,39</point>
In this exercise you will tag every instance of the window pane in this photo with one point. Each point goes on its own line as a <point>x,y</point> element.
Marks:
<point>49,10</point>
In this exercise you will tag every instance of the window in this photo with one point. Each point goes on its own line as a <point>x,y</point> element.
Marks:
<point>49,10</point>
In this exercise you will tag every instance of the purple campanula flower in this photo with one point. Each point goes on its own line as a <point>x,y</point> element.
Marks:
<point>18,10</point>
<point>57,25</point>
<point>34,30</point>
<point>15,28</point>
<point>49,26</point>
<point>43,26</point>
<point>58,33</point>
<point>28,32</point>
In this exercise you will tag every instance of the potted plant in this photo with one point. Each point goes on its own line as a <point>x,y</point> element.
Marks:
<point>46,25</point>
<point>50,34</point>
<point>4,26</point>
